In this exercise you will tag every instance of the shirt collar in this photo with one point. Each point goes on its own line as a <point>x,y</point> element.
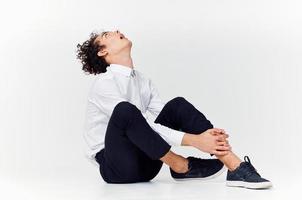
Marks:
<point>122,69</point>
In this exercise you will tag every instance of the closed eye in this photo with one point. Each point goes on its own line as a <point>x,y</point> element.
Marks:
<point>105,34</point>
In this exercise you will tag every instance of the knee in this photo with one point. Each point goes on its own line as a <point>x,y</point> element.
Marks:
<point>124,109</point>
<point>179,99</point>
<point>176,100</point>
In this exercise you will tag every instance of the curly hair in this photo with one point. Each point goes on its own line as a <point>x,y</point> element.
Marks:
<point>87,54</point>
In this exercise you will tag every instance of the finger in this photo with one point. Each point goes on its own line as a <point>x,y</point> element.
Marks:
<point>223,148</point>
<point>219,133</point>
<point>221,138</point>
<point>220,143</point>
<point>213,132</point>
<point>225,143</point>
<point>220,153</point>
<point>224,136</point>
<point>218,130</point>
<point>222,131</point>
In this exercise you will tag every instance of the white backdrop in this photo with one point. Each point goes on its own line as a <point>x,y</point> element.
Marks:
<point>237,61</point>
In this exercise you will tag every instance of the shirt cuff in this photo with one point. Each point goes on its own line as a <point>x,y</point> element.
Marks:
<point>177,137</point>
<point>171,136</point>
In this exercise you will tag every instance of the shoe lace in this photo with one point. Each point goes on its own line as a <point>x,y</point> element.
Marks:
<point>251,168</point>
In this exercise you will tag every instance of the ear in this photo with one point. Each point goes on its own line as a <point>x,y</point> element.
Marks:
<point>102,53</point>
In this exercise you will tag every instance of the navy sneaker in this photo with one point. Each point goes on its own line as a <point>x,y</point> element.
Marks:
<point>246,176</point>
<point>200,169</point>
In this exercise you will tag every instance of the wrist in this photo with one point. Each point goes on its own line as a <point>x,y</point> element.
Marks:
<point>188,139</point>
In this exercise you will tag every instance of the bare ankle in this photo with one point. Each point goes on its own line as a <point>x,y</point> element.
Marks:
<point>177,163</point>
<point>181,166</point>
<point>231,160</point>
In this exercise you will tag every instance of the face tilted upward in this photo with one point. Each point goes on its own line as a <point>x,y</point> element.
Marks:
<point>114,41</point>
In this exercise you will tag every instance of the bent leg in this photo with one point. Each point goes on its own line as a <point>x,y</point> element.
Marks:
<point>132,149</point>
<point>180,114</point>
<point>129,123</point>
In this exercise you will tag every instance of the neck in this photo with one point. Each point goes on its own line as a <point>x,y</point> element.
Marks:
<point>123,59</point>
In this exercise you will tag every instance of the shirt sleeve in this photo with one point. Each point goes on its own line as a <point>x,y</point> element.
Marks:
<point>172,136</point>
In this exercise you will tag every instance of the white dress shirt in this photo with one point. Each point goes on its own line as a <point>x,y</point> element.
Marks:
<point>122,83</point>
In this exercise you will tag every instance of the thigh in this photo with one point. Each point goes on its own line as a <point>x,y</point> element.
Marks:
<point>123,162</point>
<point>180,114</point>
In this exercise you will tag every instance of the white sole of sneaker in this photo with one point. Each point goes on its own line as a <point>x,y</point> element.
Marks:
<point>262,185</point>
<point>204,178</point>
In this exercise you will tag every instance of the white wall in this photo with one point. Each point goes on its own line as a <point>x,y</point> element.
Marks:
<point>238,61</point>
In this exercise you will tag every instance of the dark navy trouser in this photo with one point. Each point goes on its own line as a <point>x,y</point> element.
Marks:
<point>132,148</point>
